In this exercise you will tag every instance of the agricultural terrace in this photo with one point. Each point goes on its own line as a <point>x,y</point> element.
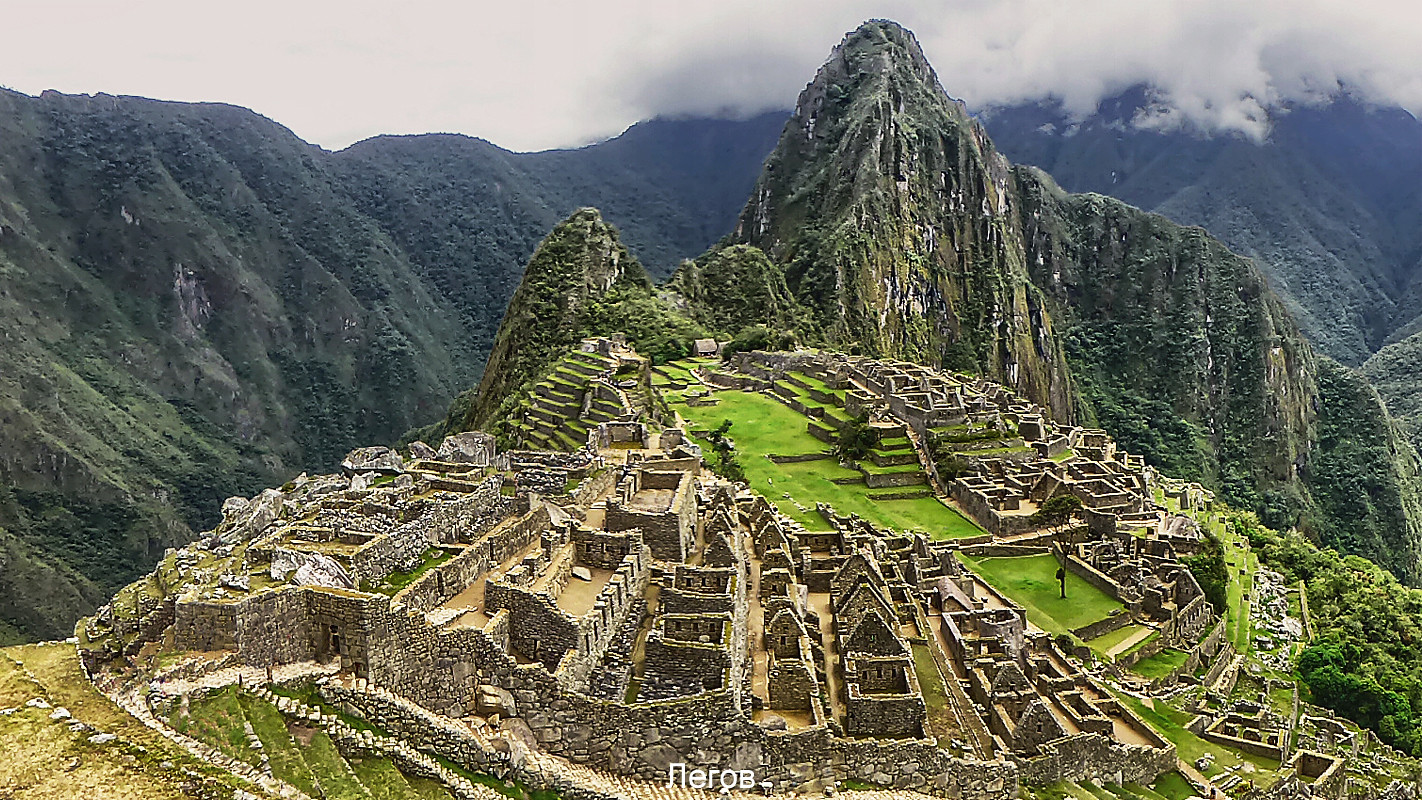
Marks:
<point>762,426</point>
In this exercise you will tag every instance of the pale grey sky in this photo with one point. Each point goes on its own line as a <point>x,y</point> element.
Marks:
<point>535,74</point>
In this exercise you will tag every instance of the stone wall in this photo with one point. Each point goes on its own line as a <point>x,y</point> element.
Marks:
<point>400,550</point>
<point>1115,622</point>
<point>462,520</point>
<point>669,533</point>
<point>205,626</point>
<point>454,576</point>
<point>1091,756</point>
<point>883,480</point>
<point>594,486</point>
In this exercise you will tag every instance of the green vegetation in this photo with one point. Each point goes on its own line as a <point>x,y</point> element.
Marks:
<point>1103,644</point>
<point>1171,722</point>
<point>856,439</point>
<point>1396,372</point>
<point>723,454</point>
<point>1366,659</point>
<point>581,281</point>
<point>1058,512</point>
<point>939,721</point>
<point>1032,582</point>
<point>400,579</point>
<point>1322,223</point>
<point>1173,786</point>
<point>764,427</point>
<point>1208,567</point>
<point>1365,477</point>
<point>1161,664</point>
<point>734,290</point>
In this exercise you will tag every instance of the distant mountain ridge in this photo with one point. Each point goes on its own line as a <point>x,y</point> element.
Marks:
<point>196,303</point>
<point>1330,206</point>
<point>886,214</point>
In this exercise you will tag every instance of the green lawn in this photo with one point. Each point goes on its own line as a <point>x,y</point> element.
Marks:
<point>1173,786</point>
<point>1032,582</point>
<point>762,426</point>
<point>1103,644</point>
<point>939,720</point>
<point>1170,722</point>
<point>1160,664</point>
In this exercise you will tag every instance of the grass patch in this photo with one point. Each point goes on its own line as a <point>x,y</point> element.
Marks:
<point>1161,664</point>
<point>287,762</point>
<point>399,580</point>
<point>217,719</point>
<point>1173,786</point>
<point>939,716</point>
<point>1103,644</point>
<point>763,426</point>
<point>1170,723</point>
<point>1032,582</point>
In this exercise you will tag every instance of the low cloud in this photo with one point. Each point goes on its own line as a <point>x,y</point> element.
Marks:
<point>552,73</point>
<point>1220,65</point>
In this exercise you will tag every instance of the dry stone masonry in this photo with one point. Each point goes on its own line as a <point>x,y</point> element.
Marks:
<point>615,608</point>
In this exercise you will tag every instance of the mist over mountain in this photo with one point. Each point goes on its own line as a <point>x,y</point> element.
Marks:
<point>1328,205</point>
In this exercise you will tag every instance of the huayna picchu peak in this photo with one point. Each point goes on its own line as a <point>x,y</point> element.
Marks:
<point>928,478</point>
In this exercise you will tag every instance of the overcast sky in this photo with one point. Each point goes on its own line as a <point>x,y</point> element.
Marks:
<point>535,74</point>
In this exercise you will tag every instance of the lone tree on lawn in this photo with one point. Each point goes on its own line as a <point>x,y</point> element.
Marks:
<point>856,438</point>
<point>1055,515</point>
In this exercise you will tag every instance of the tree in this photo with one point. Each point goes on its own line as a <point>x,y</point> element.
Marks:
<point>724,462</point>
<point>1055,515</point>
<point>856,438</point>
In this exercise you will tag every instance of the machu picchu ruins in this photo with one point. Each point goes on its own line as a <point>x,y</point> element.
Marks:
<point>597,607</point>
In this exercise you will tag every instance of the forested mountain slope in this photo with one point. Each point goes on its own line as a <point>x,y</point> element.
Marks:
<point>196,303</point>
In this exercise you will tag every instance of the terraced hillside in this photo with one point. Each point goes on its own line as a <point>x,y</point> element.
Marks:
<point>580,391</point>
<point>785,438</point>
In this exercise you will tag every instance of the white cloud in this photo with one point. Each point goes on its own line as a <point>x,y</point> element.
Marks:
<point>547,73</point>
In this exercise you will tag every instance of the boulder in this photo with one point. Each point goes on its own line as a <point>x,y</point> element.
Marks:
<point>582,573</point>
<point>472,447</point>
<point>495,700</point>
<point>773,722</point>
<point>309,569</point>
<point>420,450</point>
<point>241,583</point>
<point>363,481</point>
<point>381,460</point>
<point>243,520</point>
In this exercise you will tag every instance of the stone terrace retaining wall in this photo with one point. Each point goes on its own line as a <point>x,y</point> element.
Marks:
<point>399,550</point>
<point>1091,756</point>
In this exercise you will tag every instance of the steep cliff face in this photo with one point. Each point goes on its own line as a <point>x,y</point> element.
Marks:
<point>905,234</point>
<point>1327,205</point>
<point>1177,344</point>
<point>1364,475</point>
<point>894,220</point>
<point>190,311</point>
<point>1396,372</point>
